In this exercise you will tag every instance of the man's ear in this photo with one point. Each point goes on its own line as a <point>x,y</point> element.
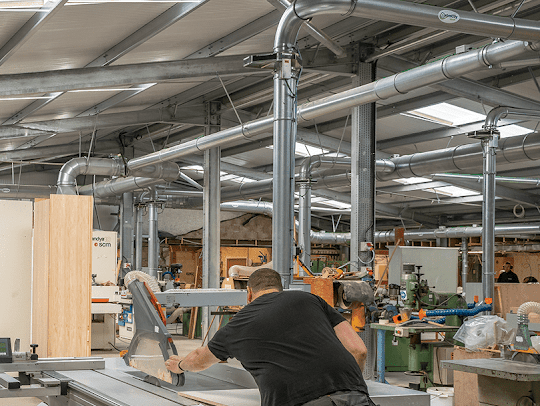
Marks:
<point>249,295</point>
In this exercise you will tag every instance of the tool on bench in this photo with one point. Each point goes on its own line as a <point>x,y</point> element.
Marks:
<point>8,356</point>
<point>152,344</point>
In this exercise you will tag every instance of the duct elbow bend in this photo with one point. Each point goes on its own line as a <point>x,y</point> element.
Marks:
<point>528,307</point>
<point>67,177</point>
<point>494,116</point>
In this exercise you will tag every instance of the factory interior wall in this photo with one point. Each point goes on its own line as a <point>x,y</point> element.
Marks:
<point>246,227</point>
<point>16,270</point>
<point>525,264</point>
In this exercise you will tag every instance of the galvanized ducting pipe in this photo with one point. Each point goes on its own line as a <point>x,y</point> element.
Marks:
<point>139,237</point>
<point>153,239</point>
<point>501,112</point>
<point>67,178</point>
<point>400,83</point>
<point>464,262</point>
<point>117,186</point>
<point>463,157</point>
<point>304,198</point>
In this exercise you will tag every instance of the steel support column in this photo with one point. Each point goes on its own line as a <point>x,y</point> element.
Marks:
<point>126,232</point>
<point>211,228</point>
<point>139,238</point>
<point>285,83</point>
<point>363,172</point>
<point>489,146</point>
<point>153,239</point>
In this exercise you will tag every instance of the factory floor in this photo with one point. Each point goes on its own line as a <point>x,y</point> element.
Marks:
<point>184,346</point>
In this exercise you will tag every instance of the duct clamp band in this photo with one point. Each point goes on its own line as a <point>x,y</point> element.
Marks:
<point>351,9</point>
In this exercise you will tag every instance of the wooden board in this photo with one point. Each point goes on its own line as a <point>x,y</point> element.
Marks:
<point>16,270</point>
<point>40,286</point>
<point>508,295</point>
<point>70,275</point>
<point>466,384</point>
<point>234,397</point>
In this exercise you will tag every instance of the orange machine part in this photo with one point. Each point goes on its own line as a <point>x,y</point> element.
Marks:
<point>156,304</point>
<point>322,287</point>
<point>400,318</point>
<point>358,319</point>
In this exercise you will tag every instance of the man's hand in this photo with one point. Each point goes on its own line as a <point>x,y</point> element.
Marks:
<point>197,360</point>
<point>172,364</point>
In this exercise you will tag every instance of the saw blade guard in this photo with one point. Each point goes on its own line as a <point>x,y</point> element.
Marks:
<point>152,344</point>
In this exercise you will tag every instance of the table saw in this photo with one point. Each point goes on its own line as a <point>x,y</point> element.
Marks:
<point>109,382</point>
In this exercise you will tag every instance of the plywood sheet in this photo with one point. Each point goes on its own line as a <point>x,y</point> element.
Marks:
<point>16,270</point>
<point>236,397</point>
<point>70,275</point>
<point>40,277</point>
<point>508,295</point>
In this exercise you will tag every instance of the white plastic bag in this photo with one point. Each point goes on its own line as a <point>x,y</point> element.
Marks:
<point>485,331</point>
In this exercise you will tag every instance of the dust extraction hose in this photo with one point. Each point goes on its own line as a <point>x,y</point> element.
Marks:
<point>528,307</point>
<point>142,277</point>
<point>458,312</point>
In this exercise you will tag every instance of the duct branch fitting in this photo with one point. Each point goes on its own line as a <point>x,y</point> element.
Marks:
<point>304,199</point>
<point>67,177</point>
<point>501,112</point>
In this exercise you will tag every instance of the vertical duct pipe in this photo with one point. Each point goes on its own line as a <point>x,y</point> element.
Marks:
<point>211,211</point>
<point>304,219</point>
<point>126,232</point>
<point>285,81</point>
<point>153,239</point>
<point>464,263</point>
<point>139,238</point>
<point>489,147</point>
<point>363,173</point>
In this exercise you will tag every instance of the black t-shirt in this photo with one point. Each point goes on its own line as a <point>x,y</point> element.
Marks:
<point>286,340</point>
<point>508,277</point>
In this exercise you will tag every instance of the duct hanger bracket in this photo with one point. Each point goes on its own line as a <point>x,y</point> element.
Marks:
<point>269,61</point>
<point>483,134</point>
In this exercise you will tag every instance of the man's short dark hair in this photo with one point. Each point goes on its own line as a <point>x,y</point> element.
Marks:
<point>264,279</point>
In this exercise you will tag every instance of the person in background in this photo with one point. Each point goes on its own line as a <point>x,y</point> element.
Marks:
<point>507,275</point>
<point>530,279</point>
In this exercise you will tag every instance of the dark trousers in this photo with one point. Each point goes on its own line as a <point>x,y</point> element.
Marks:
<point>342,398</point>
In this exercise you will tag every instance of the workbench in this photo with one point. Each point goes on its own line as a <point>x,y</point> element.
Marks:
<point>113,383</point>
<point>413,332</point>
<point>500,381</point>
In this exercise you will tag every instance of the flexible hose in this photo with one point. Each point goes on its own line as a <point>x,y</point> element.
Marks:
<point>528,307</point>
<point>459,312</point>
<point>142,277</point>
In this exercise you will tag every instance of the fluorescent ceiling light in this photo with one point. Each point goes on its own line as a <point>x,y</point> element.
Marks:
<point>411,181</point>
<point>336,204</point>
<point>446,114</point>
<point>23,98</point>
<point>10,4</point>
<point>120,89</point>
<point>453,191</point>
<point>513,130</point>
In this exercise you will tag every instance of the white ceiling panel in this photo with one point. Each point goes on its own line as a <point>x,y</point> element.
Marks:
<point>76,35</point>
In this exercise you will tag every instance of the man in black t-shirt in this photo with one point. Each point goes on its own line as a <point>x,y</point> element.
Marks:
<point>299,350</point>
<point>507,275</point>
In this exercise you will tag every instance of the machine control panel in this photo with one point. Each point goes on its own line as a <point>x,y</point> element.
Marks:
<point>5,351</point>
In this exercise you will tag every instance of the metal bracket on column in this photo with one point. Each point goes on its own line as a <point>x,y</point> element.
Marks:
<point>269,61</point>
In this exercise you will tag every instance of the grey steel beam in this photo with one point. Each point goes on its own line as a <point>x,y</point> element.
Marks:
<point>504,192</point>
<point>117,75</point>
<point>55,150</point>
<point>240,35</point>
<point>412,188</point>
<point>116,99</point>
<point>187,114</point>
<point>143,34</point>
<point>30,28</point>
